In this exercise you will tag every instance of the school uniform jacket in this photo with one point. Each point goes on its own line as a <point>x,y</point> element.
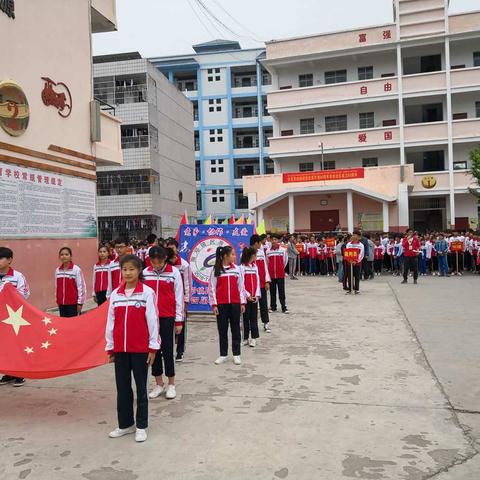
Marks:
<point>168,287</point>
<point>251,280</point>
<point>411,247</point>
<point>277,261</point>
<point>18,281</point>
<point>70,285</point>
<point>132,322</point>
<point>322,252</point>
<point>227,288</point>
<point>114,276</point>
<point>100,277</point>
<point>312,250</point>
<point>184,268</point>
<point>262,266</point>
<point>378,252</point>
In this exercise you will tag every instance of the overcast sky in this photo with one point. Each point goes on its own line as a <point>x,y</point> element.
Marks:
<point>170,27</point>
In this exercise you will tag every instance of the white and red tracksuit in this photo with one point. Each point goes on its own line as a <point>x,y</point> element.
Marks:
<point>227,288</point>
<point>17,280</point>
<point>227,292</point>
<point>277,259</point>
<point>251,280</point>
<point>132,322</point>
<point>114,276</point>
<point>262,266</point>
<point>100,277</point>
<point>70,285</point>
<point>168,287</point>
<point>184,268</point>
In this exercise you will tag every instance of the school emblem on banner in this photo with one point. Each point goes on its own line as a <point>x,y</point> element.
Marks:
<point>202,257</point>
<point>198,246</point>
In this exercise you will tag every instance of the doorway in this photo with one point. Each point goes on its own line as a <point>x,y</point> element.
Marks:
<point>324,220</point>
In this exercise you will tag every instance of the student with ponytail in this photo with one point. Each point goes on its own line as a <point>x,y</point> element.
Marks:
<point>227,298</point>
<point>251,280</point>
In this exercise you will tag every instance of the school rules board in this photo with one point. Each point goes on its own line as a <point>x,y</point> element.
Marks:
<point>198,245</point>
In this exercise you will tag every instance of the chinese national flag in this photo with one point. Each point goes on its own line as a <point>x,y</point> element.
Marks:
<point>37,345</point>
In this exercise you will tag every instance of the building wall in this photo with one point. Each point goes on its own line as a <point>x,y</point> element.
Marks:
<point>51,38</point>
<point>221,90</point>
<point>171,158</point>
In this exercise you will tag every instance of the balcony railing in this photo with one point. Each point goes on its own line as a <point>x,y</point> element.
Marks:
<point>244,81</point>
<point>246,143</point>
<point>420,133</point>
<point>245,112</point>
<point>135,142</point>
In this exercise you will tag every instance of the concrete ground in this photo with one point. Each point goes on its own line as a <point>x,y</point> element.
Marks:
<point>383,385</point>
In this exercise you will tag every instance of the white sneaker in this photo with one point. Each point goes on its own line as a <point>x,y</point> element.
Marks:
<point>156,392</point>
<point>267,328</point>
<point>237,360</point>
<point>171,392</point>
<point>252,342</point>
<point>220,360</point>
<point>140,435</point>
<point>120,432</point>
<point>245,342</point>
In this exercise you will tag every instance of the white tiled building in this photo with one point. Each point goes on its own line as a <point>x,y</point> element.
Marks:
<point>157,181</point>
<point>228,88</point>
<point>401,99</point>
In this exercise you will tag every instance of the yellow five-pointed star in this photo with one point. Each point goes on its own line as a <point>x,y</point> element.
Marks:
<point>46,321</point>
<point>28,350</point>
<point>15,319</point>
<point>46,344</point>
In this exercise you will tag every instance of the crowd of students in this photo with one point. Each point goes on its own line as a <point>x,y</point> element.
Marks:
<point>149,293</point>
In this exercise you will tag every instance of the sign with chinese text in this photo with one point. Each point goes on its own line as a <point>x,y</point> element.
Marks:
<point>456,247</point>
<point>36,203</point>
<point>330,242</point>
<point>351,255</point>
<point>324,175</point>
<point>198,246</point>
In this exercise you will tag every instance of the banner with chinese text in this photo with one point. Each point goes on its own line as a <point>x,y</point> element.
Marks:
<point>198,246</point>
<point>323,175</point>
<point>36,203</point>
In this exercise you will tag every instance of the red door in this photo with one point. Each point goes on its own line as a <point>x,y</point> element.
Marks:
<point>324,220</point>
<point>462,223</point>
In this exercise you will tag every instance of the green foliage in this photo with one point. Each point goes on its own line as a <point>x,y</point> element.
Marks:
<point>475,171</point>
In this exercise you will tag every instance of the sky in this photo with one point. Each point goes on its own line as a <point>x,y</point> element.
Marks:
<point>171,27</point>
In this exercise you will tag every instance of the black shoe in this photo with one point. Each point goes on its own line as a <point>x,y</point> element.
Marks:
<point>357,292</point>
<point>19,382</point>
<point>404,281</point>
<point>6,379</point>
<point>179,357</point>
<point>348,292</point>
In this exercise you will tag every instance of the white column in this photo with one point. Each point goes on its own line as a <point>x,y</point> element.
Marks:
<point>350,211</point>
<point>291,214</point>
<point>451,177</point>
<point>403,213</point>
<point>386,217</point>
<point>259,215</point>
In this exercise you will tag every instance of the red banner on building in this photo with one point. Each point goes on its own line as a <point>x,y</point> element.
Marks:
<point>324,175</point>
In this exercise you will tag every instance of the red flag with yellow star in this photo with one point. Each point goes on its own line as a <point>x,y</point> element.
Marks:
<point>34,344</point>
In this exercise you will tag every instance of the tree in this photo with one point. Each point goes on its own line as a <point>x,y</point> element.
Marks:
<point>475,171</point>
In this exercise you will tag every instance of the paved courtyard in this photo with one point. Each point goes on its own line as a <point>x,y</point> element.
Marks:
<point>383,385</point>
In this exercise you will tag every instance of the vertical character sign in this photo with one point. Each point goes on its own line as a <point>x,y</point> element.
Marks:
<point>198,246</point>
